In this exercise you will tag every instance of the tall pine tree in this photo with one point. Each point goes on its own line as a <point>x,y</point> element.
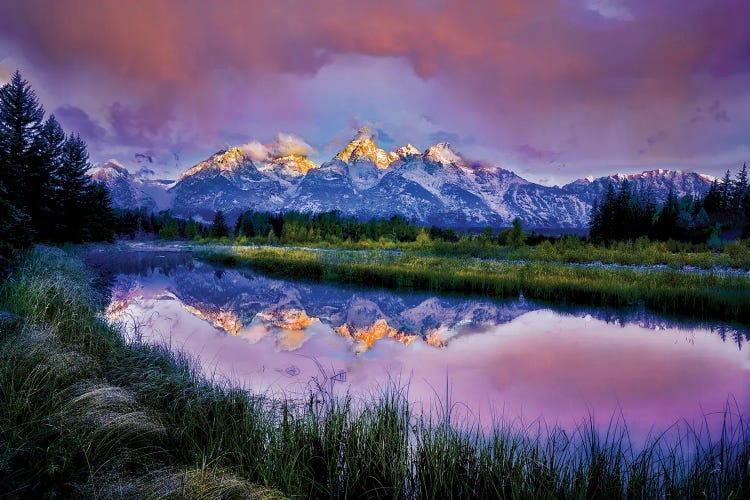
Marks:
<point>726,193</point>
<point>72,184</point>
<point>46,192</point>
<point>219,228</point>
<point>21,118</point>
<point>741,188</point>
<point>666,224</point>
<point>42,180</point>
<point>98,215</point>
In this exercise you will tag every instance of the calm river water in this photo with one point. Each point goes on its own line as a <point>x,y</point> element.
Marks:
<point>514,359</point>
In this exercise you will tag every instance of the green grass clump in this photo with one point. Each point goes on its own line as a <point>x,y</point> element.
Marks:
<point>704,296</point>
<point>83,412</point>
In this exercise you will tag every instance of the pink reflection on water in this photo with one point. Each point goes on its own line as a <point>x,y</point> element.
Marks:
<point>542,365</point>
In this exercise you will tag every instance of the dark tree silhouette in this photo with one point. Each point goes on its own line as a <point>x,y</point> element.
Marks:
<point>72,185</point>
<point>47,192</point>
<point>42,179</point>
<point>21,118</point>
<point>219,228</point>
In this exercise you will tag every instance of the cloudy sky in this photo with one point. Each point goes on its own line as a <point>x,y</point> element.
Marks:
<point>553,89</point>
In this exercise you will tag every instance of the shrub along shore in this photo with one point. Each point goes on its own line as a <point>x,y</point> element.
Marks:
<point>85,412</point>
<point>700,295</point>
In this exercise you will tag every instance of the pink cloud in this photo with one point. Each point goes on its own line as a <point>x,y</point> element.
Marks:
<point>546,73</point>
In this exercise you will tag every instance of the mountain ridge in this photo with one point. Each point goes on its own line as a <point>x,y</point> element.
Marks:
<point>435,186</point>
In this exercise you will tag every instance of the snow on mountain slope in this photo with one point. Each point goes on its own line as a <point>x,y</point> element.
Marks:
<point>366,161</point>
<point>405,152</point>
<point>230,181</point>
<point>227,181</point>
<point>363,149</point>
<point>327,188</point>
<point>658,181</point>
<point>130,191</point>
<point>438,186</point>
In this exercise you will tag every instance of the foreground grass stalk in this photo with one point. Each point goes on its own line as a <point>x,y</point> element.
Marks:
<point>84,412</point>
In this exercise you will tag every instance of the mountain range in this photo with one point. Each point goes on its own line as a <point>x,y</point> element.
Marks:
<point>436,186</point>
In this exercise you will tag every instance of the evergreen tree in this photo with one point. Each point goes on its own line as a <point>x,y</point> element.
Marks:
<point>649,209</point>
<point>219,228</point>
<point>741,188</point>
<point>605,219</point>
<point>712,200</point>
<point>72,183</point>
<point>42,180</point>
<point>244,226</point>
<point>625,213</point>
<point>20,123</point>
<point>192,230</point>
<point>516,235</point>
<point>595,222</point>
<point>99,217</point>
<point>170,230</point>
<point>702,220</point>
<point>665,226</point>
<point>725,193</point>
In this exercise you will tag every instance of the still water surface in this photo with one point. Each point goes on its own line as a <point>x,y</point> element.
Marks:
<point>513,359</point>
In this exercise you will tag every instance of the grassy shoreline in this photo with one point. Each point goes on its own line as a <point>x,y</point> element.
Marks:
<point>84,412</point>
<point>703,296</point>
<point>673,254</point>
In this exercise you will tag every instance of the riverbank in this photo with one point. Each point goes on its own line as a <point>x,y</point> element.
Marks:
<point>84,412</point>
<point>698,294</point>
<point>732,259</point>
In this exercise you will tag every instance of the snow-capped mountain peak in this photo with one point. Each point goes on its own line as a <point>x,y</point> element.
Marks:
<point>290,168</point>
<point>110,169</point>
<point>443,154</point>
<point>294,164</point>
<point>438,186</point>
<point>406,151</point>
<point>131,191</point>
<point>363,148</point>
<point>225,161</point>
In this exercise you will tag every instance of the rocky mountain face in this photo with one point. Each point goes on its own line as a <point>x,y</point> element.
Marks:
<point>436,186</point>
<point>133,190</point>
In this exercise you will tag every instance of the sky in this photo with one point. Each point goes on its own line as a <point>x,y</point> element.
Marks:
<point>551,89</point>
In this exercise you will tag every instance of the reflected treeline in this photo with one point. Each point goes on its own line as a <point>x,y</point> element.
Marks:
<point>141,263</point>
<point>234,300</point>
<point>117,269</point>
<point>644,318</point>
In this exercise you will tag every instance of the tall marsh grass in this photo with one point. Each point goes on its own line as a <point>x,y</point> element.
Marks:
<point>701,295</point>
<point>571,249</point>
<point>85,413</point>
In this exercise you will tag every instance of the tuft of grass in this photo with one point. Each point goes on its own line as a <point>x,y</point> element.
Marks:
<point>83,412</point>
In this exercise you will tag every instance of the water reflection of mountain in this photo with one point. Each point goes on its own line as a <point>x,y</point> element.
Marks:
<point>363,314</point>
<point>233,300</point>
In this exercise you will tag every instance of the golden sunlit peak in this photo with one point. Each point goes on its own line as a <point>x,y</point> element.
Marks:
<point>224,161</point>
<point>226,320</point>
<point>366,337</point>
<point>444,154</point>
<point>363,148</point>
<point>295,163</point>
<point>406,151</point>
<point>288,319</point>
